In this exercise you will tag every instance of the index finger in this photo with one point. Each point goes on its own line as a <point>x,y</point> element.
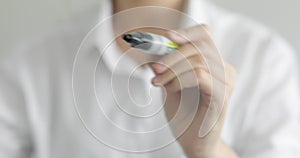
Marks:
<point>195,33</point>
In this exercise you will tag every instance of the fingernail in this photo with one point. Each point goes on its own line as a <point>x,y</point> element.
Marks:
<point>155,81</point>
<point>158,68</point>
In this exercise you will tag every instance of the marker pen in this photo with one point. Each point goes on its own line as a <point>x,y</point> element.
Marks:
<point>150,43</point>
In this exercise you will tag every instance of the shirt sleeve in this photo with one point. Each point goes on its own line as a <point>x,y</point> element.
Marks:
<point>15,141</point>
<point>272,131</point>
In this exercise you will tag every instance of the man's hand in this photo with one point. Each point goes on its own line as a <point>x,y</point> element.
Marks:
<point>198,66</point>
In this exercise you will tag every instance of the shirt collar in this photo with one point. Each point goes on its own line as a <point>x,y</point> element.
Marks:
<point>111,55</point>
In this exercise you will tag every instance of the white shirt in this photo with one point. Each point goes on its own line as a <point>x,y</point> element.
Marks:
<point>41,117</point>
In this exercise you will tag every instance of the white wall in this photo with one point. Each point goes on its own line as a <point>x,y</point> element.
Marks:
<point>22,19</point>
<point>280,15</point>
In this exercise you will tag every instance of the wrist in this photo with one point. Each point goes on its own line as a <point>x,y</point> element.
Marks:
<point>204,151</point>
<point>218,150</point>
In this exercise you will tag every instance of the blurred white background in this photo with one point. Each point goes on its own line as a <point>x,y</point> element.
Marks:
<point>20,20</point>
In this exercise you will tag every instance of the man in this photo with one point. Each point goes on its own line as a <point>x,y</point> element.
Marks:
<point>55,103</point>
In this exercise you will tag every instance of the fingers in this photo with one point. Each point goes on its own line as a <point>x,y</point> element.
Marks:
<point>196,63</point>
<point>171,72</point>
<point>194,78</point>
<point>184,52</point>
<point>180,69</point>
<point>193,72</point>
<point>195,33</point>
<point>202,78</point>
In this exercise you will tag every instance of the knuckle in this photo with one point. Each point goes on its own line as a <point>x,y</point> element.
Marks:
<point>199,72</point>
<point>231,71</point>
<point>173,86</point>
<point>197,58</point>
<point>230,68</point>
<point>184,49</point>
<point>170,74</point>
<point>204,26</point>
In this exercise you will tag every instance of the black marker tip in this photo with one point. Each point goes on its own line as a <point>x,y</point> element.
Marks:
<point>127,38</point>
